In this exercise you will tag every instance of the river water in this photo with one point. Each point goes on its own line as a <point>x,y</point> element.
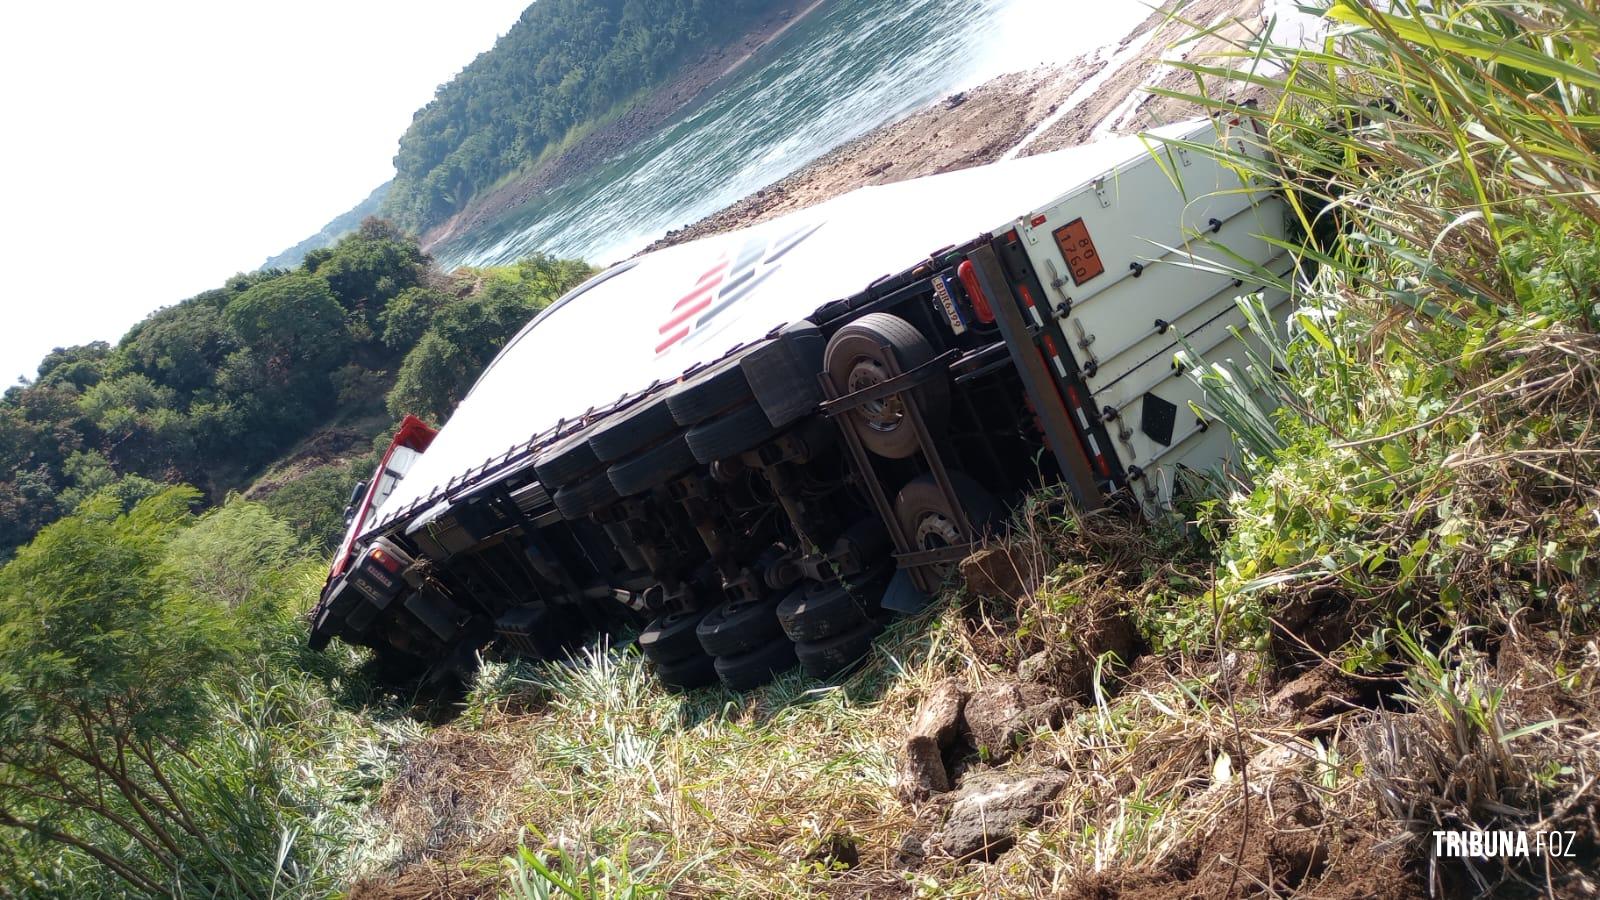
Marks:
<point>849,67</point>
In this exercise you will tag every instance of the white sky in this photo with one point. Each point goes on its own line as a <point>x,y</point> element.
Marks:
<point>149,151</point>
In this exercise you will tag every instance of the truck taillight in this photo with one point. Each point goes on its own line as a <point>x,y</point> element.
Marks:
<point>386,560</point>
<point>980,303</point>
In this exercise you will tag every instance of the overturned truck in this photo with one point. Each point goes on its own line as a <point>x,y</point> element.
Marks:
<point>756,447</point>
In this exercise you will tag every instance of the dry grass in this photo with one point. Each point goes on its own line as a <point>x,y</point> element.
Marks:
<point>1186,775</point>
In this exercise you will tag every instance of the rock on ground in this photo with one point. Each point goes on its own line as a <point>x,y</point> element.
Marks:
<point>1001,714</point>
<point>992,808</point>
<point>935,729</point>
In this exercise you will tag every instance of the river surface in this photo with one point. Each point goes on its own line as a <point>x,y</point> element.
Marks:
<point>849,67</point>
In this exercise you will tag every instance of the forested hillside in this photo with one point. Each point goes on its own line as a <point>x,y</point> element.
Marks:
<point>209,391</point>
<point>563,65</point>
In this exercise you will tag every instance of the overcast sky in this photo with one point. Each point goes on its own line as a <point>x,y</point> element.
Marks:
<point>149,151</point>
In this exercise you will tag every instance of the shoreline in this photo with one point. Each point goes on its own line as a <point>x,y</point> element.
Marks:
<point>657,108</point>
<point>1017,114</point>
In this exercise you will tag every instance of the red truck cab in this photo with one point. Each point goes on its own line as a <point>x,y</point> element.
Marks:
<point>410,441</point>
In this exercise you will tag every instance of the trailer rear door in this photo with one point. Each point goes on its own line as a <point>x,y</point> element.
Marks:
<point>1149,256</point>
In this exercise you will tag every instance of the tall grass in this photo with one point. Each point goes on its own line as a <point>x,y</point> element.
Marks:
<point>1427,494</point>
<point>1440,377</point>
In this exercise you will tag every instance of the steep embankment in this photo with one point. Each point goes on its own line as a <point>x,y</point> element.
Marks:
<point>1391,636</point>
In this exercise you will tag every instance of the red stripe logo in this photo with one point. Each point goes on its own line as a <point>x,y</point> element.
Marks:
<point>730,280</point>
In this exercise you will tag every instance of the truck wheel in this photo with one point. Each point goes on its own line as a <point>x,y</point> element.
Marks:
<point>827,658</point>
<point>855,360</point>
<point>655,466</point>
<point>566,461</point>
<point>730,434</point>
<point>584,497</point>
<point>620,434</point>
<point>739,626</point>
<point>721,387</point>
<point>759,666</point>
<point>927,519</point>
<point>671,637</point>
<point>815,611</point>
<point>694,671</point>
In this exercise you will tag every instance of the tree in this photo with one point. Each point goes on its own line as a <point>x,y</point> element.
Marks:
<point>465,334</point>
<point>293,323</point>
<point>179,347</point>
<point>235,554</point>
<point>433,379</point>
<point>80,367</point>
<point>408,315</point>
<point>369,267</point>
<point>103,679</point>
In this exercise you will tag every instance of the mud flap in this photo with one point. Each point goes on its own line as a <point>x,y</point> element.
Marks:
<point>903,596</point>
<point>783,374</point>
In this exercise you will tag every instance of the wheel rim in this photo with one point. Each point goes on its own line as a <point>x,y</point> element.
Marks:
<point>885,414</point>
<point>935,531</point>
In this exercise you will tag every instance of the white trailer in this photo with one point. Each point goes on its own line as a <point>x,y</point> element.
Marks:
<point>758,439</point>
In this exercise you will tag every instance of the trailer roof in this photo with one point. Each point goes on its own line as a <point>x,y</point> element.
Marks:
<point>651,319</point>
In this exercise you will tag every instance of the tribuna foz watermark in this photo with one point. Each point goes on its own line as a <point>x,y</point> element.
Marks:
<point>1503,844</point>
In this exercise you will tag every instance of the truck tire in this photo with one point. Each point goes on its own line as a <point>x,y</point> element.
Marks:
<point>653,467</point>
<point>566,461</point>
<point>855,361</point>
<point>719,388</point>
<point>694,671</point>
<point>815,611</point>
<point>751,670</point>
<point>645,423</point>
<point>730,434</point>
<point>584,497</point>
<point>830,656</point>
<point>929,523</point>
<point>671,637</point>
<point>739,626</point>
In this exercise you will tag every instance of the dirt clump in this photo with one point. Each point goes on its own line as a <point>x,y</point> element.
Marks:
<point>991,808</point>
<point>999,573</point>
<point>443,798</point>
<point>1002,714</point>
<point>1095,637</point>
<point>934,732</point>
<point>1280,842</point>
<point>1320,693</point>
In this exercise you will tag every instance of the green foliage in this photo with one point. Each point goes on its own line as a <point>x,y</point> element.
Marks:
<point>563,64</point>
<point>464,335</point>
<point>233,554</point>
<point>313,504</point>
<point>78,367</point>
<point>104,682</point>
<point>1431,461</point>
<point>564,876</point>
<point>293,323</point>
<point>179,347</point>
<point>408,315</point>
<point>210,389</point>
<point>157,710</point>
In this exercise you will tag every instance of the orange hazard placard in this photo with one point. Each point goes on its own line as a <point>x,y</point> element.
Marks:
<point>1083,261</point>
